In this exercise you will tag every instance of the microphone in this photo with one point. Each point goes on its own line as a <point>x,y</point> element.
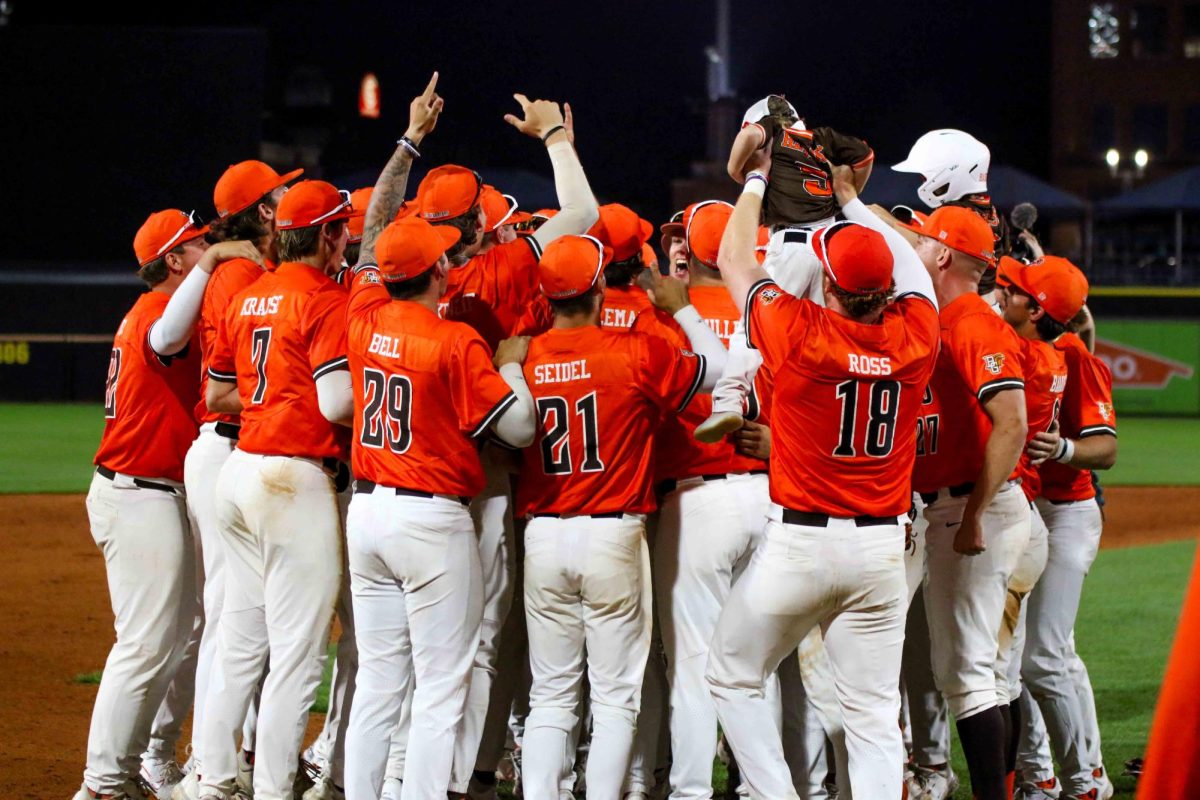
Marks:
<point>1023,216</point>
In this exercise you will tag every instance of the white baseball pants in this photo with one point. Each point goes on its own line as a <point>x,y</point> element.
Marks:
<point>587,603</point>
<point>707,531</point>
<point>418,600</point>
<point>491,511</point>
<point>1012,629</point>
<point>149,559</point>
<point>798,271</point>
<point>965,595</point>
<point>929,722</point>
<point>1034,761</point>
<point>1051,667</point>
<point>282,533</point>
<point>850,581</point>
<point>803,735</point>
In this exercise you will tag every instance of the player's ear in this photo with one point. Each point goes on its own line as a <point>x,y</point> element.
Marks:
<point>1036,312</point>
<point>266,212</point>
<point>174,262</point>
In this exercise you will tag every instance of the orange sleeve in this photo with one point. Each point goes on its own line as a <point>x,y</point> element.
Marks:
<point>1092,397</point>
<point>671,376</point>
<point>479,393</point>
<point>366,291</point>
<point>775,322</point>
<point>221,364</point>
<point>325,326</point>
<point>535,319</point>
<point>986,353</point>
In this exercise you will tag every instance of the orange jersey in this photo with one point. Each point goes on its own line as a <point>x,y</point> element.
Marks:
<point>494,288</point>
<point>280,334</point>
<point>227,279</point>
<point>677,452</point>
<point>843,426</point>
<point>1087,410</point>
<point>1045,379</point>
<point>424,391</point>
<point>148,422</point>
<point>622,306</point>
<point>980,355</point>
<point>600,396</point>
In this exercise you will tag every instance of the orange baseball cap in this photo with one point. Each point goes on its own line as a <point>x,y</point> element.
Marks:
<point>963,230</point>
<point>856,258</point>
<point>621,230</point>
<point>501,209</point>
<point>1054,283</point>
<point>311,203</point>
<point>164,230</point>
<point>447,192</point>
<point>410,247</point>
<point>1004,270</point>
<point>359,200</point>
<point>244,183</point>
<point>570,265</point>
<point>649,257</point>
<point>704,225</point>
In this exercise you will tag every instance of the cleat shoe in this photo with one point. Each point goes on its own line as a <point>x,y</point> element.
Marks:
<point>161,777</point>
<point>478,790</point>
<point>1041,790</point>
<point>392,788</point>
<point>188,788</point>
<point>1107,790</point>
<point>323,789</point>
<point>717,427</point>
<point>932,784</point>
<point>245,772</point>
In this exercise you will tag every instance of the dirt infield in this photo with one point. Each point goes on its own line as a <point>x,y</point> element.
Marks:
<point>57,623</point>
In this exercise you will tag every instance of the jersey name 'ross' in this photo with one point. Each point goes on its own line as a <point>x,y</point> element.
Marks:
<point>260,306</point>
<point>561,373</point>
<point>870,365</point>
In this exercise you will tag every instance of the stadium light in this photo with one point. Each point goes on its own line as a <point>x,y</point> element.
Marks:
<point>1141,158</point>
<point>1112,157</point>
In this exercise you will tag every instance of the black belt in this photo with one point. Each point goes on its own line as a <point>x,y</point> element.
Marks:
<point>962,490</point>
<point>228,430</point>
<point>605,515</point>
<point>814,519</point>
<point>671,484</point>
<point>795,237</point>
<point>362,486</point>
<point>105,472</point>
<point>339,471</point>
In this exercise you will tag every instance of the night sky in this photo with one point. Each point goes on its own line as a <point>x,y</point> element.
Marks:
<point>122,112</point>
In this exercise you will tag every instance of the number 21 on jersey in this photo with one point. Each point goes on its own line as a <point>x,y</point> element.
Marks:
<point>555,419</point>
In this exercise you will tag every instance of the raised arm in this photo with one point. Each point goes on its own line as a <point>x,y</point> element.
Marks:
<point>909,273</point>
<point>671,295</point>
<point>739,268</point>
<point>389,190</point>
<point>578,210</point>
<point>749,139</point>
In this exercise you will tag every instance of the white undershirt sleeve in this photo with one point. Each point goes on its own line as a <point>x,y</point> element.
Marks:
<point>172,331</point>
<point>334,397</point>
<point>518,424</point>
<point>578,209</point>
<point>705,343</point>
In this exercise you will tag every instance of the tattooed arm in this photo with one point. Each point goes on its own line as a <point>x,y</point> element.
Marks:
<point>393,181</point>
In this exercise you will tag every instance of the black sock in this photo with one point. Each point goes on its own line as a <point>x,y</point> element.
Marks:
<point>1014,736</point>
<point>484,777</point>
<point>983,743</point>
<point>1008,736</point>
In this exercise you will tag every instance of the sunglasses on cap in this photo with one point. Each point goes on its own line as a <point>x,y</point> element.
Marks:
<point>529,225</point>
<point>193,222</point>
<point>904,215</point>
<point>345,195</point>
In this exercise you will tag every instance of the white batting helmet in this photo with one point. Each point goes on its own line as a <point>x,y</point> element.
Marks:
<point>954,164</point>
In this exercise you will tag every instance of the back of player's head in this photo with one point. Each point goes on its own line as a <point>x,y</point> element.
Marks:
<point>450,195</point>
<point>308,209</point>
<point>858,264</point>
<point>408,250</point>
<point>624,234</point>
<point>963,232</point>
<point>569,272</point>
<point>704,225</point>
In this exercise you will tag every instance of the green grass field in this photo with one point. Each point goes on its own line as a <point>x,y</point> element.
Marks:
<point>1126,624</point>
<point>49,448</point>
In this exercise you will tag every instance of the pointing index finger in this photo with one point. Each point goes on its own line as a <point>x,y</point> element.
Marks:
<point>428,93</point>
<point>522,99</point>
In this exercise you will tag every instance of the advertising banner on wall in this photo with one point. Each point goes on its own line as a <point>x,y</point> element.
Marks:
<point>1153,364</point>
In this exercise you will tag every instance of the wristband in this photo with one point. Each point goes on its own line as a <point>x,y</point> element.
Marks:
<point>553,131</point>
<point>756,184</point>
<point>408,145</point>
<point>758,173</point>
<point>1066,451</point>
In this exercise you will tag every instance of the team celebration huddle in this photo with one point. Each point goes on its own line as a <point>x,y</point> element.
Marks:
<point>797,498</point>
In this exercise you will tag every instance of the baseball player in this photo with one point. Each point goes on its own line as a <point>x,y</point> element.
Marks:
<point>490,289</point>
<point>713,507</point>
<point>246,197</point>
<point>799,201</point>
<point>136,504</point>
<point>1084,439</point>
<point>585,486</point>
<point>973,429</point>
<point>280,361</point>
<point>424,387</point>
<point>832,553</point>
<point>674,247</point>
